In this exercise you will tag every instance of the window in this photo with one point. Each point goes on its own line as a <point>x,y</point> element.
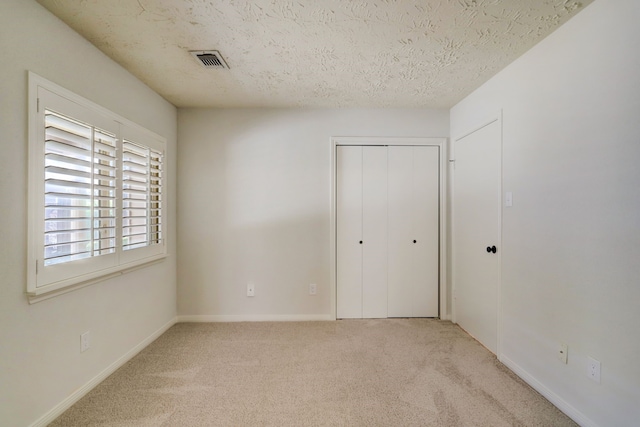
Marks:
<point>96,199</point>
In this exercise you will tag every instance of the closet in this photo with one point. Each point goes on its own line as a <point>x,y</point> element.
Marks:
<point>387,238</point>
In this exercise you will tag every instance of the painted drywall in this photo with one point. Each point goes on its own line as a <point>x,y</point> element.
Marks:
<point>40,360</point>
<point>571,241</point>
<point>254,205</point>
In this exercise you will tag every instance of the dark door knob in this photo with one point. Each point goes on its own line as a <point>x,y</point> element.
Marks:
<point>414,241</point>
<point>491,249</point>
<point>360,241</point>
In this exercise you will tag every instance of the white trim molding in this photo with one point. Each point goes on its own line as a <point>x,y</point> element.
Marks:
<point>559,402</point>
<point>57,410</point>
<point>217,318</point>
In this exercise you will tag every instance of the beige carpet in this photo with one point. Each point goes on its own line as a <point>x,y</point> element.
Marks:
<point>395,372</point>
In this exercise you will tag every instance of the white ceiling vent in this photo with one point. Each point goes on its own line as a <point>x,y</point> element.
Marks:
<point>209,58</point>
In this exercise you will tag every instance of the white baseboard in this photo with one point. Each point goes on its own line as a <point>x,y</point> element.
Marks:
<point>552,397</point>
<point>255,318</point>
<point>57,410</point>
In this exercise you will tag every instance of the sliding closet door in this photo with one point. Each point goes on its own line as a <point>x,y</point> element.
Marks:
<point>426,220</point>
<point>401,236</point>
<point>349,231</point>
<point>374,232</point>
<point>413,218</point>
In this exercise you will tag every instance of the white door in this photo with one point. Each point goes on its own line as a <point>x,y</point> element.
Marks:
<point>413,187</point>
<point>476,231</point>
<point>361,231</point>
<point>349,231</point>
<point>374,232</point>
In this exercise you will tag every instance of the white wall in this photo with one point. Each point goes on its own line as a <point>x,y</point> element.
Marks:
<point>254,204</point>
<point>571,241</point>
<point>40,360</point>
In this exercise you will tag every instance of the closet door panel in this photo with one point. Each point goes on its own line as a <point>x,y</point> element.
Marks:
<point>400,219</point>
<point>426,188</point>
<point>374,232</point>
<point>349,231</point>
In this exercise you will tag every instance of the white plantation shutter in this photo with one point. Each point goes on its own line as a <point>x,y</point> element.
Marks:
<point>156,232</point>
<point>135,196</point>
<point>96,199</point>
<point>67,174</point>
<point>80,190</point>
<point>141,196</point>
<point>104,193</point>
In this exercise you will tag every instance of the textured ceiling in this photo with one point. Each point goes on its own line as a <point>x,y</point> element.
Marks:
<point>315,53</point>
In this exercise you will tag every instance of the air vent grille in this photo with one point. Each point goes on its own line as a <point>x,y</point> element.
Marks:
<point>209,59</point>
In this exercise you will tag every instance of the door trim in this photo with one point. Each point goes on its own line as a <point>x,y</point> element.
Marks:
<point>441,143</point>
<point>488,121</point>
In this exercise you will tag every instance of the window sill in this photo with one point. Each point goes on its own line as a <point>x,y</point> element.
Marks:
<point>46,292</point>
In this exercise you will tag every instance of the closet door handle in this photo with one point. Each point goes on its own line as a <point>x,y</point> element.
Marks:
<point>415,241</point>
<point>360,241</point>
<point>491,249</point>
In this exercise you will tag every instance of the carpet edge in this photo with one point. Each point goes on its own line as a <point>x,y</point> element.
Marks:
<point>74,397</point>
<point>254,318</point>
<point>551,396</point>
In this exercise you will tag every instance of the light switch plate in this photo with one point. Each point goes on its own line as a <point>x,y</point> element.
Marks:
<point>563,353</point>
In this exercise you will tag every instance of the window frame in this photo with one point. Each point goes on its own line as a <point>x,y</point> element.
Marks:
<point>46,281</point>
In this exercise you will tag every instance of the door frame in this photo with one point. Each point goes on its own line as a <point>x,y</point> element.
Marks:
<point>488,120</point>
<point>441,143</point>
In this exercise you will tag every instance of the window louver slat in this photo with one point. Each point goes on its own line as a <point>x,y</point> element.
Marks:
<point>66,172</point>
<point>64,137</point>
<point>67,150</point>
<point>65,161</point>
<point>69,186</point>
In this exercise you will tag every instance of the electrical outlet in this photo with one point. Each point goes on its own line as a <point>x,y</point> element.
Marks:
<point>563,353</point>
<point>313,289</point>
<point>508,199</point>
<point>251,290</point>
<point>85,341</point>
<point>593,369</point>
